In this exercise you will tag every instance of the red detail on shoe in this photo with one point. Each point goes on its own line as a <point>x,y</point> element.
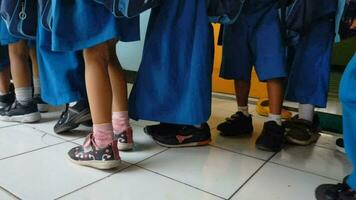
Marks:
<point>182,138</point>
<point>129,135</point>
<point>115,150</point>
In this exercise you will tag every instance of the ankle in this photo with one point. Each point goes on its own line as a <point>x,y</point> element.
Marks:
<point>244,110</point>
<point>103,134</point>
<point>120,121</point>
<point>276,118</point>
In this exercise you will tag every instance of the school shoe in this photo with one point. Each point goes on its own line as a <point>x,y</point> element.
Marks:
<point>7,100</point>
<point>71,119</point>
<point>340,146</point>
<point>17,112</point>
<point>41,105</point>
<point>124,140</point>
<point>339,191</point>
<point>89,155</point>
<point>161,129</point>
<point>302,132</point>
<point>272,137</point>
<point>237,125</point>
<point>185,136</point>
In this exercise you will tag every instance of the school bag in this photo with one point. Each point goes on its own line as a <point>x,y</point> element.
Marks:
<point>348,20</point>
<point>224,11</point>
<point>20,17</point>
<point>45,11</point>
<point>129,8</point>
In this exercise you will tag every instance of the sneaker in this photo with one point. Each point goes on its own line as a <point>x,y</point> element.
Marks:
<point>272,137</point>
<point>339,191</point>
<point>237,125</point>
<point>41,105</point>
<point>161,129</point>
<point>91,156</point>
<point>340,145</point>
<point>185,136</point>
<point>71,119</point>
<point>7,100</point>
<point>302,132</point>
<point>124,140</point>
<point>17,112</point>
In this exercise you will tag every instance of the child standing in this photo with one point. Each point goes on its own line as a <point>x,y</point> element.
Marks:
<point>89,26</point>
<point>256,39</point>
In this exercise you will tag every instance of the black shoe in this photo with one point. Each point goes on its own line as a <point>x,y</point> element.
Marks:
<point>41,105</point>
<point>71,119</point>
<point>161,129</point>
<point>17,112</point>
<point>272,137</point>
<point>339,191</point>
<point>340,145</point>
<point>237,125</point>
<point>302,132</point>
<point>7,100</point>
<point>185,136</point>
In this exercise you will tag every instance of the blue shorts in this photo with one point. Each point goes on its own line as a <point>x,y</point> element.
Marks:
<point>6,38</point>
<point>71,33</point>
<point>4,57</point>
<point>256,40</point>
<point>308,81</point>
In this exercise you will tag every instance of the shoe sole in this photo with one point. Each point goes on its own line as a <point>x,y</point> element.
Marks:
<point>192,144</point>
<point>28,118</point>
<point>98,164</point>
<point>312,140</point>
<point>43,108</point>
<point>125,146</point>
<point>342,150</point>
<point>73,125</point>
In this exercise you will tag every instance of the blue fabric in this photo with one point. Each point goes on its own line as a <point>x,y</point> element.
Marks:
<point>254,40</point>
<point>308,81</point>
<point>6,38</point>
<point>348,99</point>
<point>61,73</point>
<point>174,81</point>
<point>4,57</point>
<point>70,32</point>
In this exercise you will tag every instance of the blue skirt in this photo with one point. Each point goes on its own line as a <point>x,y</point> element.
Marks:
<point>81,24</point>
<point>174,79</point>
<point>61,73</point>
<point>6,38</point>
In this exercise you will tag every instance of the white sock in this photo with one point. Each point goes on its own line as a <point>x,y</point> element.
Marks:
<point>73,103</point>
<point>276,118</point>
<point>244,110</point>
<point>3,93</point>
<point>306,112</point>
<point>23,95</point>
<point>36,86</point>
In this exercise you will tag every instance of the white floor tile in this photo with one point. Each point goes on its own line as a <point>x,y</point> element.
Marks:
<point>6,196</point>
<point>20,139</point>
<point>275,182</point>
<point>137,184</point>
<point>46,174</point>
<point>210,169</point>
<point>50,119</point>
<point>4,124</point>
<point>144,146</point>
<point>328,140</point>
<point>318,160</point>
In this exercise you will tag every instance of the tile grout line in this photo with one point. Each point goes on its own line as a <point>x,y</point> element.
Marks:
<point>9,193</point>
<point>92,183</point>
<point>258,170</point>
<point>235,152</point>
<point>180,182</point>
<point>7,126</point>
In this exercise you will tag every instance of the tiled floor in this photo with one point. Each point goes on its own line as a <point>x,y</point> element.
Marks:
<point>33,165</point>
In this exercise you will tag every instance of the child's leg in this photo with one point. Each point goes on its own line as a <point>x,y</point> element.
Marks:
<point>242,90</point>
<point>36,80</point>
<point>99,92</point>
<point>275,95</point>
<point>4,81</point>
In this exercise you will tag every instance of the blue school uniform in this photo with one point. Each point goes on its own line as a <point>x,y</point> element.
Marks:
<point>82,24</point>
<point>348,99</point>
<point>6,38</point>
<point>309,73</point>
<point>61,73</point>
<point>255,39</point>
<point>174,80</point>
<point>4,57</point>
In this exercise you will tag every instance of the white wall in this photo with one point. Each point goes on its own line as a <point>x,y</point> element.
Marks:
<point>130,53</point>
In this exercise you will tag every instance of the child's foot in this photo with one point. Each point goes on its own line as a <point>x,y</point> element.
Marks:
<point>272,137</point>
<point>339,191</point>
<point>41,105</point>
<point>7,100</point>
<point>302,132</point>
<point>340,146</point>
<point>185,136</point>
<point>124,140</point>
<point>71,118</point>
<point>237,125</point>
<point>161,129</point>
<point>91,156</point>
<point>17,112</point>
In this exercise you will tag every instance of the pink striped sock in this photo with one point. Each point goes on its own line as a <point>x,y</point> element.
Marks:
<point>120,121</point>
<point>103,134</point>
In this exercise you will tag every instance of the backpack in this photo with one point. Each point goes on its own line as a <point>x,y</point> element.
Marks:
<point>20,17</point>
<point>129,8</point>
<point>224,11</point>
